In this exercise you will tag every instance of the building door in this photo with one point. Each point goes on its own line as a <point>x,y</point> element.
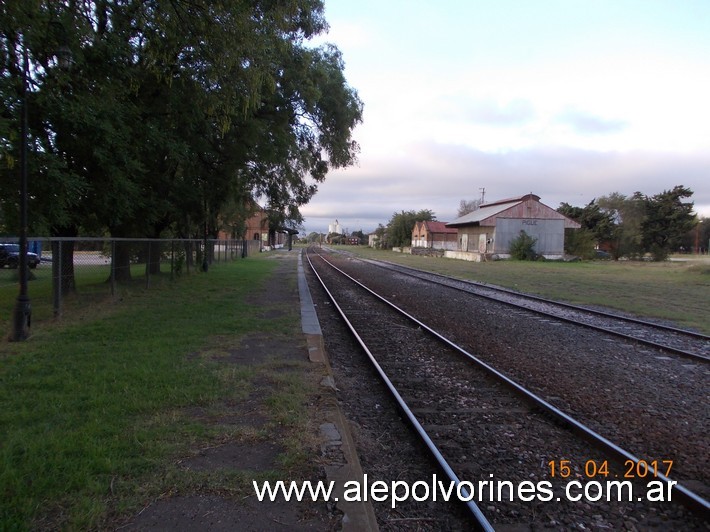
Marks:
<point>482,243</point>
<point>464,242</point>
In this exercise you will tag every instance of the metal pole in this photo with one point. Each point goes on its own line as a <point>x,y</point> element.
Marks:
<point>172,260</point>
<point>57,277</point>
<point>23,310</point>
<point>113,267</point>
<point>147,268</point>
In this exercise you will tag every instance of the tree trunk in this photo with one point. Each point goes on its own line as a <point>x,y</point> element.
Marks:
<point>156,249</point>
<point>122,261</point>
<point>63,266</point>
<point>65,250</point>
<point>189,258</point>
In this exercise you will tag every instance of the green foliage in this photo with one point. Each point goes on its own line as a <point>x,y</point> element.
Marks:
<point>592,218</point>
<point>360,236</point>
<point>580,242</point>
<point>401,225</point>
<point>172,113</point>
<point>667,220</point>
<point>381,237</point>
<point>638,225</point>
<point>314,237</point>
<point>698,238</point>
<point>523,247</point>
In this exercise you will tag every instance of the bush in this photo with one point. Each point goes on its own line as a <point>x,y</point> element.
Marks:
<point>523,247</point>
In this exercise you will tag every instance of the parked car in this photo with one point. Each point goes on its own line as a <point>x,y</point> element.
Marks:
<point>10,256</point>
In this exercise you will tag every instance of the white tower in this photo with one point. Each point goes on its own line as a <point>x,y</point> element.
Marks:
<point>334,228</point>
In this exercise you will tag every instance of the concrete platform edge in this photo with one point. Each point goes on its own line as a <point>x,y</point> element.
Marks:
<point>335,430</point>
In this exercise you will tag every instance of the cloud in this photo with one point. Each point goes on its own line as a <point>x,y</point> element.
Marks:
<point>589,124</point>
<point>439,176</point>
<point>492,113</point>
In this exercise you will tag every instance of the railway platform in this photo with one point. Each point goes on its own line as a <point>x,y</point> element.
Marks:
<point>337,462</point>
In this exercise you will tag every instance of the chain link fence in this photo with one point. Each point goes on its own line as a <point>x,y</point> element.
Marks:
<point>62,269</point>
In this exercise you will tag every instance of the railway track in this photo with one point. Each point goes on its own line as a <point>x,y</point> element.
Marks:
<point>683,342</point>
<point>444,394</point>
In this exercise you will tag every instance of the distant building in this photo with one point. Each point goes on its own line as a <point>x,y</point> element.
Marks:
<point>335,228</point>
<point>257,227</point>
<point>491,228</point>
<point>434,235</point>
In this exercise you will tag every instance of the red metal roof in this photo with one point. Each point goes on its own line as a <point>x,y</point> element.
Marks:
<point>438,227</point>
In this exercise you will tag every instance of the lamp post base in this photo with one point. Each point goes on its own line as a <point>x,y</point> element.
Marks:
<point>22,318</point>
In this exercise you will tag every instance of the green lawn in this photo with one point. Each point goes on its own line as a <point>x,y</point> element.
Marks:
<point>676,291</point>
<point>93,407</point>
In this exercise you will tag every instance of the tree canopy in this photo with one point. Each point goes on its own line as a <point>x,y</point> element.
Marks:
<point>171,112</point>
<point>637,225</point>
<point>401,225</point>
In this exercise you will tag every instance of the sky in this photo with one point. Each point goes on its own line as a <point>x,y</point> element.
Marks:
<point>568,99</point>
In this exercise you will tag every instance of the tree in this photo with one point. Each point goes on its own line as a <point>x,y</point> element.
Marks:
<point>401,225</point>
<point>696,240</point>
<point>173,111</point>
<point>644,224</point>
<point>667,220</point>
<point>381,237</point>
<point>627,216</point>
<point>362,238</point>
<point>468,206</point>
<point>597,226</point>
<point>314,237</point>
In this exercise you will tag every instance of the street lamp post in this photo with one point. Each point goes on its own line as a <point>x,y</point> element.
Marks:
<point>22,315</point>
<point>23,310</point>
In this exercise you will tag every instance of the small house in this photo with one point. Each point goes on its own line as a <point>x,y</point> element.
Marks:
<point>434,235</point>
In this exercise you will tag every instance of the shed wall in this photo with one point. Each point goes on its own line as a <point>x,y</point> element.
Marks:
<point>550,234</point>
<point>470,238</point>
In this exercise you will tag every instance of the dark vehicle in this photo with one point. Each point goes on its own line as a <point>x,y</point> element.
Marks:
<point>10,256</point>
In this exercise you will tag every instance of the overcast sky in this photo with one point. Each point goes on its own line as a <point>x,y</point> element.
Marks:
<point>567,99</point>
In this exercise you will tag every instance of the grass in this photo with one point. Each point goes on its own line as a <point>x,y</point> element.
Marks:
<point>93,408</point>
<point>675,291</point>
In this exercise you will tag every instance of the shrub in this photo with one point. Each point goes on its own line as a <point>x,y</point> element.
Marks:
<point>523,247</point>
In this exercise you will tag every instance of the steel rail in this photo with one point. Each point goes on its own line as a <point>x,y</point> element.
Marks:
<point>474,510</point>
<point>644,341</point>
<point>690,498</point>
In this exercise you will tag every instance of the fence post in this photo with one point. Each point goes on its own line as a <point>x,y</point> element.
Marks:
<point>113,267</point>
<point>147,267</point>
<point>57,278</point>
<point>172,260</point>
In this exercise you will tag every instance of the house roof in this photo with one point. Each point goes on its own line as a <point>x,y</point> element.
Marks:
<point>484,212</point>
<point>488,212</point>
<point>437,227</point>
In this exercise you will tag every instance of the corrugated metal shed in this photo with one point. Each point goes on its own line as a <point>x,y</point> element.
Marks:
<point>493,227</point>
<point>527,206</point>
